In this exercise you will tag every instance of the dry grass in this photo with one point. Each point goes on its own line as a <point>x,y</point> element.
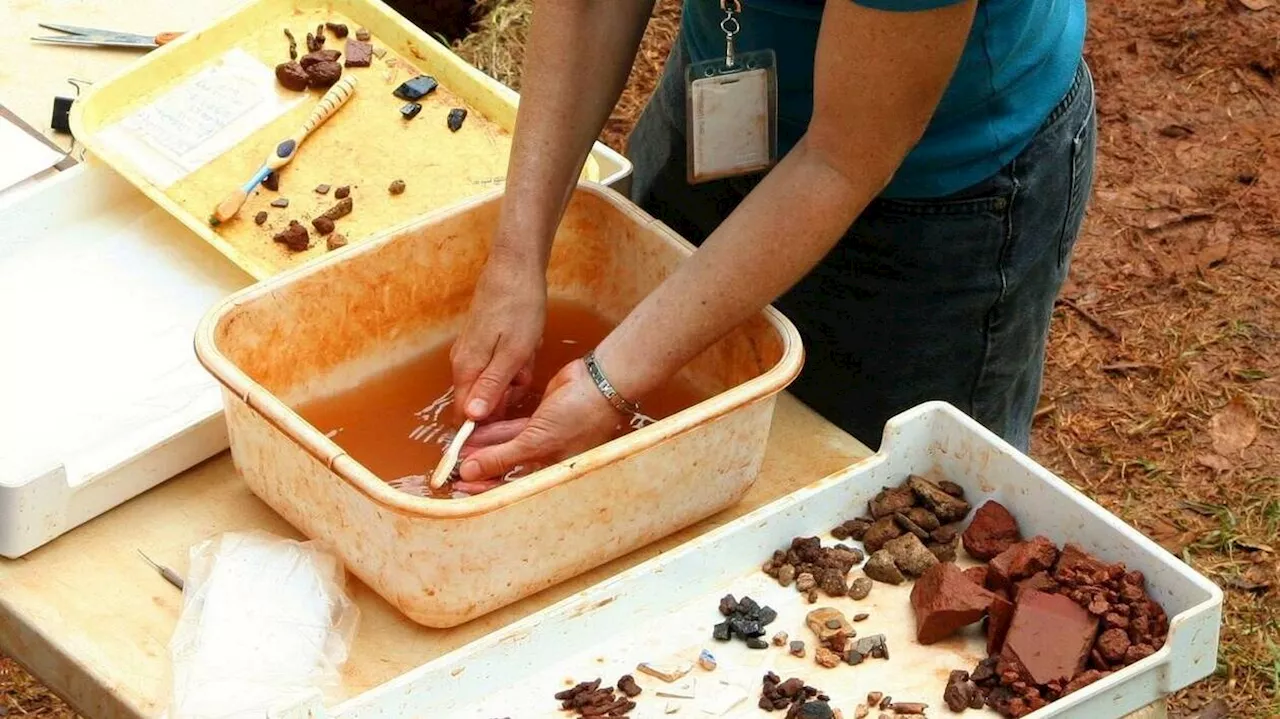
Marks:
<point>1162,391</point>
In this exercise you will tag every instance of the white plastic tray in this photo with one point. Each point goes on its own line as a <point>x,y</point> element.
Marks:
<point>101,397</point>
<point>666,606</point>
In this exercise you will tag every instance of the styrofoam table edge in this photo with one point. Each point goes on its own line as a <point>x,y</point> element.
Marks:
<point>1154,670</point>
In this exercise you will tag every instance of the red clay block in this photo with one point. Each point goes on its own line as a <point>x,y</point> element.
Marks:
<point>944,601</point>
<point>992,531</point>
<point>1020,562</point>
<point>1050,636</point>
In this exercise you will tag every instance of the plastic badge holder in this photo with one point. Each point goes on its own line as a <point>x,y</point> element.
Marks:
<point>733,117</point>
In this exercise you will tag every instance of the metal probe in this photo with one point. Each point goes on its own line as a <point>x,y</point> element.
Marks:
<point>169,575</point>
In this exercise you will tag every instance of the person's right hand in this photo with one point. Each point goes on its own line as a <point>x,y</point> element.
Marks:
<point>493,357</point>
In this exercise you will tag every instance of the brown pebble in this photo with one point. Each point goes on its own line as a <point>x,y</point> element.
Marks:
<point>292,76</point>
<point>873,698</point>
<point>340,210</point>
<point>627,685</point>
<point>909,708</point>
<point>362,34</point>
<point>812,596</point>
<point>338,29</point>
<point>861,617</point>
<point>280,202</point>
<point>294,237</point>
<point>860,588</point>
<point>272,181</point>
<point>335,241</point>
<point>886,702</point>
<point>322,189</point>
<point>861,711</point>
<point>342,192</point>
<point>323,74</point>
<point>396,187</point>
<point>260,218</point>
<point>796,648</point>
<point>780,639</point>
<point>826,658</point>
<point>323,225</point>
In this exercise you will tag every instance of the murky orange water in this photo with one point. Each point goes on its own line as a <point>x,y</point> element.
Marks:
<point>398,423</point>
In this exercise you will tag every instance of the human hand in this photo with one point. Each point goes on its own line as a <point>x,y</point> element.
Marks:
<point>492,358</point>
<point>572,418</point>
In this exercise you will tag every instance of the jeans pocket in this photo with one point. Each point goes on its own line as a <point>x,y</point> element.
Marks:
<point>1084,143</point>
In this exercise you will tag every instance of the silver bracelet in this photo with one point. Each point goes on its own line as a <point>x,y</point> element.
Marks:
<point>619,403</point>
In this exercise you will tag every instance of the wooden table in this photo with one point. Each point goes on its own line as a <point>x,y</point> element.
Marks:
<point>86,616</point>
<point>91,620</point>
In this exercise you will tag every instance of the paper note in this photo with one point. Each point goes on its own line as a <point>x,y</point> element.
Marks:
<point>24,156</point>
<point>199,119</point>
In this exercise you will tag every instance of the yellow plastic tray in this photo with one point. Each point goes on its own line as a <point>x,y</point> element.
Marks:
<point>366,144</point>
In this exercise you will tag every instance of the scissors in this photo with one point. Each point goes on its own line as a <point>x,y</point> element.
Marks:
<point>104,38</point>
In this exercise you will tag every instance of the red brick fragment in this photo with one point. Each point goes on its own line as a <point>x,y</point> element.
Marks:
<point>992,531</point>
<point>944,601</point>
<point>999,617</point>
<point>1021,561</point>
<point>1051,636</point>
<point>1112,644</point>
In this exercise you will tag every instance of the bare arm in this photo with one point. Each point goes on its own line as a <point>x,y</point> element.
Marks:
<point>878,78</point>
<point>580,53</point>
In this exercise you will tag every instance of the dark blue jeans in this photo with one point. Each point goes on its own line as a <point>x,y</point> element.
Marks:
<point>934,299</point>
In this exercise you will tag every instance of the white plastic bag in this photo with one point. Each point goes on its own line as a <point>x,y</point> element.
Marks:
<point>265,623</point>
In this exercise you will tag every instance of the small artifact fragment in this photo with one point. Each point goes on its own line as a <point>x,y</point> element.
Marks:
<point>827,622</point>
<point>281,202</point>
<point>786,575</point>
<point>944,600</point>
<point>805,582</point>
<point>667,673</point>
<point>945,534</point>
<point>588,699</point>
<point>886,702</point>
<point>340,209</point>
<point>1021,561</point>
<point>944,506</point>
<point>410,110</point>
<point>757,643</point>
<point>338,29</point>
<point>342,192</point>
<point>362,34</point>
<point>1050,637</point>
<point>943,552</point>
<point>323,225</point>
<point>851,529</point>
<point>294,237</point>
<point>908,707</point>
<point>396,187</point>
<point>319,56</point>
<point>826,658</point>
<point>959,692</point>
<point>272,181</point>
<point>314,43</point>
<point>457,116</point>
<point>707,660</point>
<point>881,531</point>
<point>323,74</point>
<point>627,685</point>
<point>416,88</point>
<point>910,555</point>
<point>792,695</point>
<point>335,241</point>
<point>293,45</point>
<point>780,639</point>
<point>951,488</point>
<point>891,500</point>
<point>322,189</point>
<point>291,76</point>
<point>1113,644</point>
<point>260,218</point>
<point>861,711</point>
<point>359,53</point>
<point>797,648</point>
<point>860,588</point>
<point>861,617</point>
<point>882,568</point>
<point>909,525</point>
<point>992,531</point>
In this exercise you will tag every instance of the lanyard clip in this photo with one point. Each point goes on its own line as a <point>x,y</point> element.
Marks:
<point>731,27</point>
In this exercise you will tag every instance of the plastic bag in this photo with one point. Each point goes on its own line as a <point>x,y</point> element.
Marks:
<point>265,623</point>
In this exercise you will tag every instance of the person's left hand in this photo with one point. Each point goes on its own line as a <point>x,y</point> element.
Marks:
<point>573,417</point>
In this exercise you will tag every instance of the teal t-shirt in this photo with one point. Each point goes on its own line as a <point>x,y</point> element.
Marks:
<point>1019,61</point>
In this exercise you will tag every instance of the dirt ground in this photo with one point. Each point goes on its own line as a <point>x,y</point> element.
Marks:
<point>1161,392</point>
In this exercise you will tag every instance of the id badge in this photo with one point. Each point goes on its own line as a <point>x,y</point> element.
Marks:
<point>732,109</point>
